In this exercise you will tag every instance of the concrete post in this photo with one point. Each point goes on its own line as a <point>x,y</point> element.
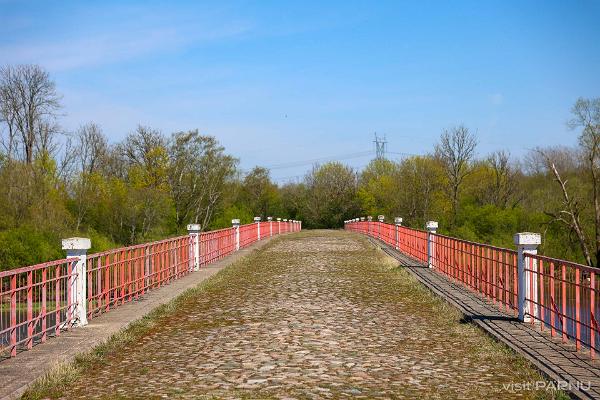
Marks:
<point>369,219</point>
<point>77,247</point>
<point>380,218</point>
<point>236,225</point>
<point>397,222</point>
<point>527,243</point>
<point>431,227</point>
<point>194,232</point>
<point>270,219</point>
<point>257,221</point>
<point>279,226</point>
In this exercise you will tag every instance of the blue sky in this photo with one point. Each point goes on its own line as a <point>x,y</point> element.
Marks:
<point>278,82</point>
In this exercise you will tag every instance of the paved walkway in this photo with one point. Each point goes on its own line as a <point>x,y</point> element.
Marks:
<point>318,314</point>
<point>16,374</point>
<point>558,361</point>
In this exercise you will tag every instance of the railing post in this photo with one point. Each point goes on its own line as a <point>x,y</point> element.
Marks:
<point>236,226</point>
<point>397,223</point>
<point>270,219</point>
<point>77,247</point>
<point>431,227</point>
<point>257,221</point>
<point>527,243</point>
<point>194,232</point>
<point>369,219</point>
<point>279,226</point>
<point>380,218</point>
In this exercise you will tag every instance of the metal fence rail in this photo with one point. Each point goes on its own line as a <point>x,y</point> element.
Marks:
<point>117,276</point>
<point>553,294</point>
<point>40,301</point>
<point>35,303</point>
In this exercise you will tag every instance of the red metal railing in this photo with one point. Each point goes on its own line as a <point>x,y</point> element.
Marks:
<point>117,276</point>
<point>38,301</point>
<point>564,299</point>
<point>35,303</point>
<point>248,234</point>
<point>559,295</point>
<point>410,241</point>
<point>215,245</point>
<point>488,270</point>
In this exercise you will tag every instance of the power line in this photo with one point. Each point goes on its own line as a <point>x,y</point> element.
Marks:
<point>293,164</point>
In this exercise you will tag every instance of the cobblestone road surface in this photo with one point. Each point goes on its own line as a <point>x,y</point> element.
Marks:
<point>319,314</point>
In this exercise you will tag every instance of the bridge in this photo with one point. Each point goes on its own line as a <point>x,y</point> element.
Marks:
<point>268,310</point>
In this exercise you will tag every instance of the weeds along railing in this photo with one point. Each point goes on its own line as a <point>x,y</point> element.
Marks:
<point>42,300</point>
<point>555,295</point>
<point>35,303</point>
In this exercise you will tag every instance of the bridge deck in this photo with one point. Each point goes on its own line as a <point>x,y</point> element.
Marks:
<point>318,314</point>
<point>559,361</point>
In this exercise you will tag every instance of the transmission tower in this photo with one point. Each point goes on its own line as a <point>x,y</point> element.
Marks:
<point>380,145</point>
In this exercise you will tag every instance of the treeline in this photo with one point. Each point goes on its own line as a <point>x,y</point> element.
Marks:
<point>551,190</point>
<point>56,184</point>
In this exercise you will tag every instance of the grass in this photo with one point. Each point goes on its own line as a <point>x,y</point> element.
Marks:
<point>395,287</point>
<point>56,383</point>
<point>447,316</point>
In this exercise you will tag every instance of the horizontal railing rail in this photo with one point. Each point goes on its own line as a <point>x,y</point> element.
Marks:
<point>35,303</point>
<point>40,301</point>
<point>555,294</point>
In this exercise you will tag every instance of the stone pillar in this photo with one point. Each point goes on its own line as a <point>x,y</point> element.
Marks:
<point>397,223</point>
<point>194,232</point>
<point>236,225</point>
<point>527,243</point>
<point>270,219</point>
<point>431,227</point>
<point>257,221</point>
<point>77,247</point>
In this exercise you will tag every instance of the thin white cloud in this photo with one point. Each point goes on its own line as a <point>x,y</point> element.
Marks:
<point>497,99</point>
<point>107,48</point>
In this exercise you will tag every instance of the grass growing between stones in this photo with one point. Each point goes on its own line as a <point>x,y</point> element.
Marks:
<point>58,382</point>
<point>318,314</point>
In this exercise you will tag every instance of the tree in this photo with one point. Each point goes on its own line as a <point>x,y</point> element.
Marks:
<point>420,182</point>
<point>379,187</point>
<point>331,196</point>
<point>259,193</point>
<point>455,151</point>
<point>29,105</point>
<point>198,172</point>
<point>90,152</point>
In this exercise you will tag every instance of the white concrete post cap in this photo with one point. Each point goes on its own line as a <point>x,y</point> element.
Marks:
<point>381,218</point>
<point>431,225</point>
<point>278,219</point>
<point>235,221</point>
<point>398,220</point>
<point>269,218</point>
<point>256,219</point>
<point>76,243</point>
<point>528,238</point>
<point>370,218</point>
<point>193,227</point>
<point>284,220</point>
<point>362,218</point>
